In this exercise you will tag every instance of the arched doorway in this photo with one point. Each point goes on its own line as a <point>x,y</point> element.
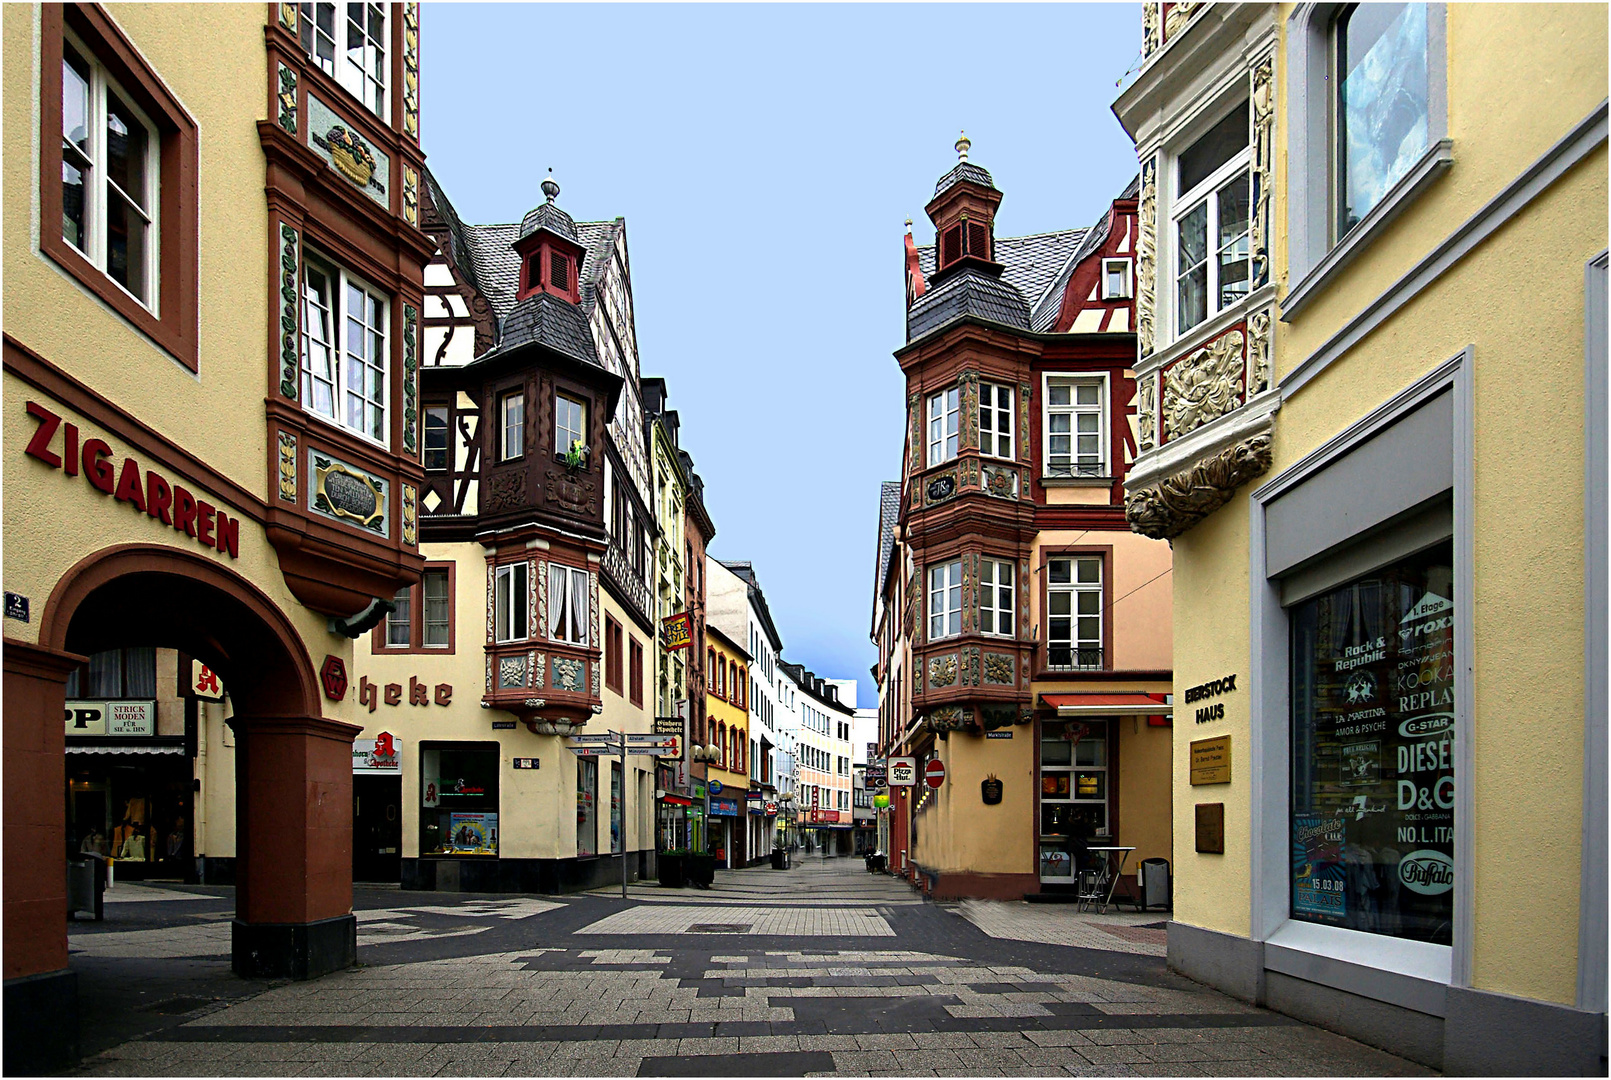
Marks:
<point>293,778</point>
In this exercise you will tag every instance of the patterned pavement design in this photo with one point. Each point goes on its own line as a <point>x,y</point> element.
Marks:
<point>1132,932</point>
<point>549,993</point>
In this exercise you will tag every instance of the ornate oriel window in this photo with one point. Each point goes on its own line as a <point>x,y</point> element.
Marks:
<point>995,420</point>
<point>345,356</point>
<point>570,424</point>
<point>1211,221</point>
<point>568,594</point>
<point>511,602</point>
<point>349,42</point>
<point>511,425</point>
<point>943,412</point>
<point>945,599</point>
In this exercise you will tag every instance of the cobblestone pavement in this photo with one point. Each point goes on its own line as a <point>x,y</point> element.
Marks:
<point>852,977</point>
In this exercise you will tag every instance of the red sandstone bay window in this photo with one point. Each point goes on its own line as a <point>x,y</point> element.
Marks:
<point>118,177</point>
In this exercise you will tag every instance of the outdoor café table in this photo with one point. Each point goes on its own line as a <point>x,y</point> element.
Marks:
<point>1114,859</point>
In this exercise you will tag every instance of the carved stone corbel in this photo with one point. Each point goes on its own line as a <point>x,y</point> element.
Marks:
<point>1165,510</point>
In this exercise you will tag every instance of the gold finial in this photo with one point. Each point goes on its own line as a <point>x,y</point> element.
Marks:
<point>908,225</point>
<point>962,147</point>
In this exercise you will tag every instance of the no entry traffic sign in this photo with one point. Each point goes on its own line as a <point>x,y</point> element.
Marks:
<point>935,773</point>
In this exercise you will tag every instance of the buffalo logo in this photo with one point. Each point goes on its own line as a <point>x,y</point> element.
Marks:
<point>1427,872</point>
<point>1361,687</point>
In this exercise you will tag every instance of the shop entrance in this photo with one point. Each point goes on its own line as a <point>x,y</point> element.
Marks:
<point>377,829</point>
<point>293,872</point>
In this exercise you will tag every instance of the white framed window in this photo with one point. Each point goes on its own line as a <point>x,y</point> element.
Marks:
<point>996,597</point>
<point>110,176</point>
<point>1076,426</point>
<point>511,602</point>
<point>570,423</point>
<point>346,363</point>
<point>399,622</point>
<point>511,425</point>
<point>436,439</point>
<point>1115,279</point>
<point>568,603</point>
<point>943,410</point>
<point>945,599</point>
<point>1074,613</point>
<point>995,420</point>
<point>1211,221</point>
<point>359,63</point>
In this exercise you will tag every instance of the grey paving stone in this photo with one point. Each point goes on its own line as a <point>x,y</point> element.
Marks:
<point>827,1042</point>
<point>897,1041</point>
<point>1057,1038</point>
<point>1003,1039</point>
<point>865,1059</point>
<point>1112,1055</point>
<point>936,1040</point>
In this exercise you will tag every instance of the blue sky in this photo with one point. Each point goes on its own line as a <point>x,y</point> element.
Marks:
<point>765,157</point>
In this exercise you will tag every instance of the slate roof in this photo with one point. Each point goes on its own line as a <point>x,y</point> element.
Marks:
<point>967,292</point>
<point>458,245</point>
<point>550,217</point>
<point>497,267</point>
<point>889,512</point>
<point>965,170</point>
<point>544,319</point>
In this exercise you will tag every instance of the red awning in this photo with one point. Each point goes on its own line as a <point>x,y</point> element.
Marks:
<point>677,800</point>
<point>1112,704</point>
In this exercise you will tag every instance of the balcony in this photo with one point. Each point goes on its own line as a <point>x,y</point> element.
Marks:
<point>1064,657</point>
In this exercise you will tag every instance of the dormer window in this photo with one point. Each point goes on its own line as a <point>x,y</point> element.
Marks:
<point>548,268</point>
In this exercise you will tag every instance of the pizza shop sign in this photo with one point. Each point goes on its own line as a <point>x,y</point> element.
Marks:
<point>172,504</point>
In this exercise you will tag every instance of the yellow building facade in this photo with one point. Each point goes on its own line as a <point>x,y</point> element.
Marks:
<point>727,781</point>
<point>1374,431</point>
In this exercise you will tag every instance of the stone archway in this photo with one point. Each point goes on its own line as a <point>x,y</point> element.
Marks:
<point>293,913</point>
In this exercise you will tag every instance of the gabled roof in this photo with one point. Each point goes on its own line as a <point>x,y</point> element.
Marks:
<point>1046,309</point>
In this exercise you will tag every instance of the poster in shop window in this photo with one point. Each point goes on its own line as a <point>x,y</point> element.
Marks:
<point>1373,732</point>
<point>473,834</point>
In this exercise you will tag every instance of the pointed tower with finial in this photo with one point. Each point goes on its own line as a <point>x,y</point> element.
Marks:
<point>964,214</point>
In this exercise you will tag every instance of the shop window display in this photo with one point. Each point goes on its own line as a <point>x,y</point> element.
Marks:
<point>1073,794</point>
<point>459,800</point>
<point>587,811</point>
<point>1372,812</point>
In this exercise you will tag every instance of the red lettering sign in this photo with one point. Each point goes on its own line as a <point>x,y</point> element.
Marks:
<point>154,496</point>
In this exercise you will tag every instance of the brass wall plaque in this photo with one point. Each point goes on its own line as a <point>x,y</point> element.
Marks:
<point>1211,828</point>
<point>1211,760</point>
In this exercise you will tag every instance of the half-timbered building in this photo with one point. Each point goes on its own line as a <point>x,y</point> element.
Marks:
<point>1019,643</point>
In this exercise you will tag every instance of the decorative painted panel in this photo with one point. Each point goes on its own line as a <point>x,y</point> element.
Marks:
<point>968,402</point>
<point>998,669</point>
<point>491,577</point>
<point>364,165</point>
<point>940,487</point>
<point>1258,351</point>
<point>1024,390</point>
<point>288,466</point>
<point>411,70</point>
<point>347,494</point>
<point>1258,237</point>
<point>286,99</point>
<point>290,346</point>
<point>1147,257</point>
<point>970,666</point>
<point>1151,27</point>
<point>539,663</point>
<point>411,363</point>
<point>1147,411</point>
<point>968,472</point>
<point>942,671</point>
<point>1203,385</point>
<point>540,568</point>
<point>288,13</point>
<point>411,195</point>
<point>511,672</point>
<point>410,515</point>
<point>570,674</point>
<point>1001,482</point>
<point>915,445</point>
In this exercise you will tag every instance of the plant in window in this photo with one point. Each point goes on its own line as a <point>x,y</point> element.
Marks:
<point>576,456</point>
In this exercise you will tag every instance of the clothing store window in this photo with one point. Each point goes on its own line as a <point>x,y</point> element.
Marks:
<point>115,674</point>
<point>1373,781</point>
<point>459,799</point>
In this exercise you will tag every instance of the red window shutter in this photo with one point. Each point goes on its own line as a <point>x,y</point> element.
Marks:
<point>951,245</point>
<point>559,271</point>
<point>978,240</point>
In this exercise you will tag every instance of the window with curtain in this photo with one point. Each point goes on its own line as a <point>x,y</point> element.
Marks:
<point>568,603</point>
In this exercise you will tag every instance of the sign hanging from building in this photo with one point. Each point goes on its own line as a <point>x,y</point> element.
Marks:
<point>724,808</point>
<point>383,754</point>
<point>902,771</point>
<point>121,718</point>
<point>204,682</point>
<point>678,631</point>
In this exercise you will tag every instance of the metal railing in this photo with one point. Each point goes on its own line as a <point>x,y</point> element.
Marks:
<point>1070,658</point>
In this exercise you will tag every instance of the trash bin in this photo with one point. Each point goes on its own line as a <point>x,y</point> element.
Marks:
<point>780,859</point>
<point>1155,884</point>
<point>86,888</point>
